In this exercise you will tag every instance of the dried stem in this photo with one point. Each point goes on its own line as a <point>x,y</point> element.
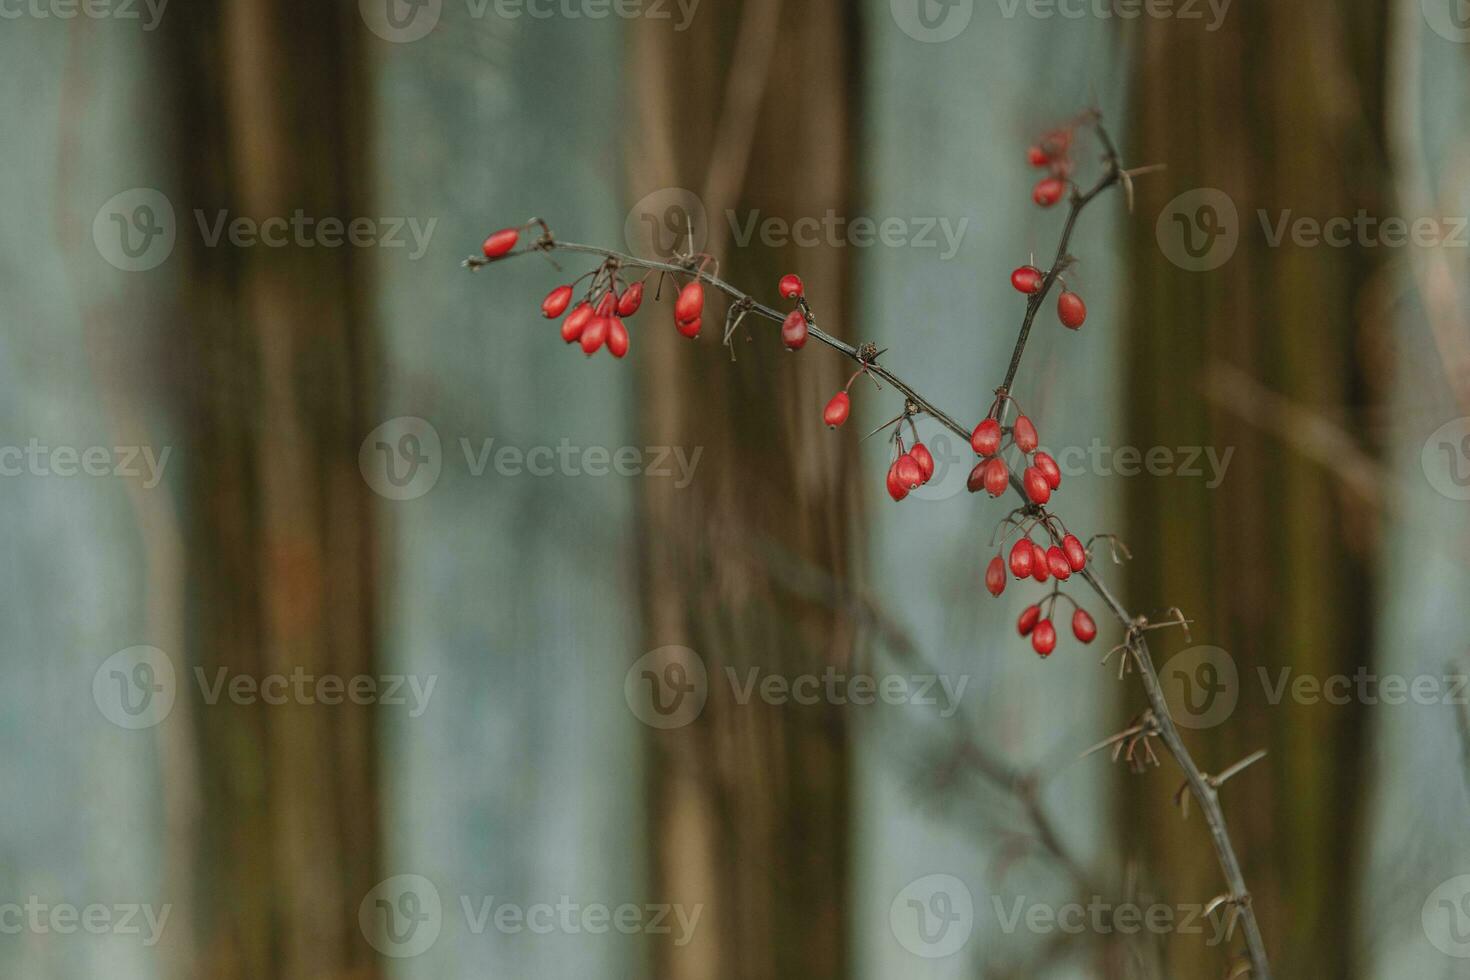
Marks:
<point>866,355</point>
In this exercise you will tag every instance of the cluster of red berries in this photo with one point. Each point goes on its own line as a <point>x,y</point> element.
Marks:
<point>1044,634</point>
<point>1040,477</point>
<point>1030,560</point>
<point>911,470</point>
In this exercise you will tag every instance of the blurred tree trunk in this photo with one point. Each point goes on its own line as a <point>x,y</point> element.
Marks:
<point>1280,109</point>
<point>749,805</point>
<point>280,535</point>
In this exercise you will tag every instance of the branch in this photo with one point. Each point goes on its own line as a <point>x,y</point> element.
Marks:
<point>866,355</point>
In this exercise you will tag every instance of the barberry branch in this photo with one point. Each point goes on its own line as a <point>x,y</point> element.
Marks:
<point>693,270</point>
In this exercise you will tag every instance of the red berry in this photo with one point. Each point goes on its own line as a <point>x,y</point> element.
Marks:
<point>793,330</point>
<point>556,302</point>
<point>690,304</point>
<point>631,299</point>
<point>909,472</point>
<point>837,410</point>
<point>1044,638</point>
<point>1022,558</point>
<point>1056,563</point>
<point>1037,157</point>
<point>1025,434</point>
<point>1071,310</point>
<point>690,328</point>
<point>576,322</point>
<point>595,333</point>
<point>1029,617</point>
<point>501,242</point>
<point>617,336</point>
<point>1038,563</point>
<point>608,305</point>
<point>1036,486</point>
<point>924,458</point>
<point>896,488</point>
<point>975,482</point>
<point>1048,191</point>
<point>1049,469</point>
<point>995,576</point>
<point>1076,554</point>
<point>996,476</point>
<point>1083,627</point>
<point>985,440</point>
<point>1027,279</point>
<point>791,286</point>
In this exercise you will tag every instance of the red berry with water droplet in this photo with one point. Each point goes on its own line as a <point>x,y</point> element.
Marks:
<point>1025,435</point>
<point>1071,310</point>
<point>1075,552</point>
<point>1083,627</point>
<point>1022,558</point>
<point>1048,191</point>
<point>794,330</point>
<point>1027,279</point>
<point>791,286</point>
<point>996,476</point>
<point>631,299</point>
<point>500,243</point>
<point>1036,486</point>
<point>1044,638</point>
<point>995,576</point>
<point>556,302</point>
<point>1030,616</point>
<point>985,440</point>
<point>837,410</point>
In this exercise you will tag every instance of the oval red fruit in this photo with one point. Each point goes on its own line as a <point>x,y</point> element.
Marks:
<point>1049,469</point>
<point>1071,310</point>
<point>924,458</point>
<point>1056,563</point>
<point>975,482</point>
<point>791,286</point>
<point>1048,191</point>
<point>1076,554</point>
<point>909,472</point>
<point>1044,638</point>
<point>576,322</point>
<point>690,328</point>
<point>690,304</point>
<point>996,476</point>
<point>1037,157</point>
<point>595,333</point>
<point>608,305</point>
<point>837,410</point>
<point>1038,563</point>
<point>985,440</point>
<point>1025,435</point>
<point>1029,618</point>
<point>501,242</point>
<point>1036,485</point>
<point>631,299</point>
<point>995,576</point>
<point>793,330</point>
<point>1027,279</point>
<point>896,489</point>
<point>556,302</point>
<point>1083,627</point>
<point>617,336</point>
<point>1022,558</point>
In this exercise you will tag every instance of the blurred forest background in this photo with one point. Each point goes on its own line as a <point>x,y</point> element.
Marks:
<point>1334,376</point>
